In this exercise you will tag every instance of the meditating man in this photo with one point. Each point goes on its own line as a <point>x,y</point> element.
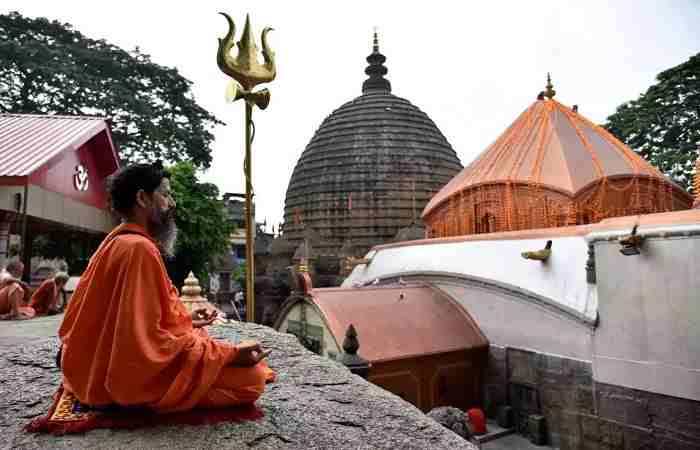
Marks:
<point>14,294</point>
<point>126,337</point>
<point>45,298</point>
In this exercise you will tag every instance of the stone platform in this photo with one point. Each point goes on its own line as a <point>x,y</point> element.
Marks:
<point>315,403</point>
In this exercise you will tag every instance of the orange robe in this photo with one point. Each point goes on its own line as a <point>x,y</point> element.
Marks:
<point>11,294</point>
<point>44,298</point>
<point>128,339</point>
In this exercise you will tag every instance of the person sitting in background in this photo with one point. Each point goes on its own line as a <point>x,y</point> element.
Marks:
<point>127,339</point>
<point>45,299</point>
<point>14,294</point>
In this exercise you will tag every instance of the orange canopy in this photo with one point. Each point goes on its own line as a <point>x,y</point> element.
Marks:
<point>552,146</point>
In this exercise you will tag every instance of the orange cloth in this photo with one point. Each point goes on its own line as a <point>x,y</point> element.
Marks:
<point>128,339</point>
<point>44,298</point>
<point>12,294</point>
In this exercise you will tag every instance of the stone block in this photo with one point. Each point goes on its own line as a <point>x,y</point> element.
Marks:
<point>675,415</point>
<point>623,405</point>
<point>590,428</point>
<point>584,400</point>
<point>638,439</point>
<point>523,367</point>
<point>569,442</point>
<point>590,444</point>
<point>612,434</point>
<point>551,398</point>
<point>569,424</point>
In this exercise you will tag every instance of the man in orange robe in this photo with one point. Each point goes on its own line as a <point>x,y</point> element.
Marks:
<point>127,339</point>
<point>13,294</point>
<point>45,298</point>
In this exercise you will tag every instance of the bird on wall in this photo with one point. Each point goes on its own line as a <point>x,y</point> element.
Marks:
<point>539,255</point>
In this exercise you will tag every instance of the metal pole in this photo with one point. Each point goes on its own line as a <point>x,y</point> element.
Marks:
<point>26,259</point>
<point>249,219</point>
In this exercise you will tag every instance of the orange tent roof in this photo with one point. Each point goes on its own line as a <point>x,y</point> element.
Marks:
<point>553,146</point>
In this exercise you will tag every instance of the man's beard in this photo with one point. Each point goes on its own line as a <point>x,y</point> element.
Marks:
<point>164,231</point>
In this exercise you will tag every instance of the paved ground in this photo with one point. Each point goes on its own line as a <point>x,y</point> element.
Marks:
<point>18,331</point>
<point>512,442</point>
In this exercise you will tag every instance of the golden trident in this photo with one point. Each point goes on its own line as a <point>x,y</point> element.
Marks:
<point>247,72</point>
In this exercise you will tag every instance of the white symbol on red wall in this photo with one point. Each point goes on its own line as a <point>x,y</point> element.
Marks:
<point>80,178</point>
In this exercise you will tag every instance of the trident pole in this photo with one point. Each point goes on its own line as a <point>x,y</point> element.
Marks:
<point>249,218</point>
<point>247,72</point>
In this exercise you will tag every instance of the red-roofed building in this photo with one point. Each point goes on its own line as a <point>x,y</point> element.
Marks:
<point>422,344</point>
<point>52,172</point>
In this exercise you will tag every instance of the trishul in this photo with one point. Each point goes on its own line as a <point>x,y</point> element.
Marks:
<point>245,68</point>
<point>247,73</point>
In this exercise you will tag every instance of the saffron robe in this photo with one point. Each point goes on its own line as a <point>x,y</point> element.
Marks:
<point>45,298</point>
<point>128,339</point>
<point>11,294</point>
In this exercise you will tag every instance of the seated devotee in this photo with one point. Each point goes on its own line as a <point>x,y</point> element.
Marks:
<point>45,298</point>
<point>14,294</point>
<point>127,339</point>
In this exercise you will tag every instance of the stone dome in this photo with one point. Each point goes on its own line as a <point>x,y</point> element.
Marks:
<point>369,170</point>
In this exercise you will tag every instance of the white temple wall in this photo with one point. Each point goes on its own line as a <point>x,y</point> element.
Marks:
<point>561,279</point>
<point>648,337</point>
<point>509,321</point>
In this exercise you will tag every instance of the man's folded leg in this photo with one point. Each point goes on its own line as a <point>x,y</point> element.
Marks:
<point>237,386</point>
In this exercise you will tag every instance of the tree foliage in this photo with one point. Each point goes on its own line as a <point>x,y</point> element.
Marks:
<point>203,222</point>
<point>663,124</point>
<point>48,67</point>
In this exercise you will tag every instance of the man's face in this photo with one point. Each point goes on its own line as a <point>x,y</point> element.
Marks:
<point>17,271</point>
<point>162,220</point>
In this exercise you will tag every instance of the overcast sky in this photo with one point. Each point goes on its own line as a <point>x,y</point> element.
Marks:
<point>473,67</point>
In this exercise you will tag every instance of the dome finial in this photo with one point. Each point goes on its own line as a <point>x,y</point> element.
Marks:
<point>376,70</point>
<point>549,92</point>
<point>375,46</point>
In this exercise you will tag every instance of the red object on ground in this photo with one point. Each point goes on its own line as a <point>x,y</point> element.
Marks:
<point>478,420</point>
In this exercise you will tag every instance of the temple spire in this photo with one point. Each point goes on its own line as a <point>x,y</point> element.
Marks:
<point>376,70</point>
<point>549,91</point>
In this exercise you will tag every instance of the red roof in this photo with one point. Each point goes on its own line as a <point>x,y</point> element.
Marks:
<point>29,141</point>
<point>399,321</point>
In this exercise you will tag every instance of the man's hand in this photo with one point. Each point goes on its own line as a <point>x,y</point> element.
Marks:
<point>249,354</point>
<point>202,317</point>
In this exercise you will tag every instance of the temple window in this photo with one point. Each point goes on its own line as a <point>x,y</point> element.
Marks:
<point>310,336</point>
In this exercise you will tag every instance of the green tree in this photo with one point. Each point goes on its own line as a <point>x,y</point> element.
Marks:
<point>203,222</point>
<point>663,124</point>
<point>48,67</point>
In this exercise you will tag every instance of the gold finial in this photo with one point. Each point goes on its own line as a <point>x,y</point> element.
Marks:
<point>245,68</point>
<point>549,92</point>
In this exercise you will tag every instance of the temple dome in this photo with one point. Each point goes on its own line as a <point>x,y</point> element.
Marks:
<point>551,167</point>
<point>369,169</point>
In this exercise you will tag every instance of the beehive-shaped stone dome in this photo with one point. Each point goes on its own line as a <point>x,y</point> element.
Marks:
<point>369,169</point>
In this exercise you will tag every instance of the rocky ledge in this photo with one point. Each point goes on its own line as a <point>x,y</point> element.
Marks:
<point>315,404</point>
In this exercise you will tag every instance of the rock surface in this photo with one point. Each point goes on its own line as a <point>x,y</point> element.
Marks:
<point>315,404</point>
<point>453,419</point>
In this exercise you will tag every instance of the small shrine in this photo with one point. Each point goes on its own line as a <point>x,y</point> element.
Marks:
<point>191,295</point>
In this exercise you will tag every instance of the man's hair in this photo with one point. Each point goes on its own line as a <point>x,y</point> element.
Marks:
<point>124,184</point>
<point>60,277</point>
